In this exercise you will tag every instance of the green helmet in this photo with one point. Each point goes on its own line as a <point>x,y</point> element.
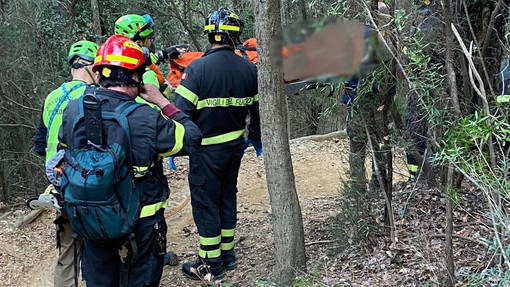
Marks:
<point>86,50</point>
<point>135,26</point>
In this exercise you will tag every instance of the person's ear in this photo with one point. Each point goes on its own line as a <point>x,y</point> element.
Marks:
<point>96,76</point>
<point>136,77</point>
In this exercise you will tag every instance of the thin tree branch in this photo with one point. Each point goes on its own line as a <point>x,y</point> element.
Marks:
<point>488,35</point>
<point>17,126</point>
<point>493,206</point>
<point>20,105</point>
<point>383,187</point>
<point>174,9</point>
<point>482,57</point>
<point>321,242</point>
<point>461,237</point>
<point>479,89</point>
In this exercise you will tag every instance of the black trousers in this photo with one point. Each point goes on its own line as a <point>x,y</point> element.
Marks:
<point>112,263</point>
<point>213,184</point>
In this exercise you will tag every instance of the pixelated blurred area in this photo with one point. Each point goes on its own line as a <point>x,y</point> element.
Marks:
<point>335,49</point>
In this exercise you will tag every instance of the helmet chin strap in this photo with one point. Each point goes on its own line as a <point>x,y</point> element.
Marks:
<point>91,75</point>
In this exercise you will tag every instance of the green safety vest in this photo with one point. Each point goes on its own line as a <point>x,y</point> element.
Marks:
<point>54,106</point>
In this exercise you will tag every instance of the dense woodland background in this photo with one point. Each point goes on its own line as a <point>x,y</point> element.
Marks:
<point>452,88</point>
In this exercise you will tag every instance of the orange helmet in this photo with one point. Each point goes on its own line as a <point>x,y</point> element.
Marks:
<point>120,51</point>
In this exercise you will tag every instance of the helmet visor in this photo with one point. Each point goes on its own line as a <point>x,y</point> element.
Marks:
<point>148,21</point>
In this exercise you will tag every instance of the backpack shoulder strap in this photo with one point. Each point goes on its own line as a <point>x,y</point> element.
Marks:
<point>120,115</point>
<point>127,108</point>
<point>81,113</point>
<point>64,97</point>
<point>89,90</point>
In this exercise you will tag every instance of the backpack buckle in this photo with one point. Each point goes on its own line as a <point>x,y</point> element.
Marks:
<point>85,172</point>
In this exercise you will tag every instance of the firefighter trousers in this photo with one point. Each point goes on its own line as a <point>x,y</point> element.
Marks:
<point>213,185</point>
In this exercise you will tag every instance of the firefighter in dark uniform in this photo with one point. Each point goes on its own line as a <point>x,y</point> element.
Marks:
<point>416,115</point>
<point>218,91</point>
<point>120,63</point>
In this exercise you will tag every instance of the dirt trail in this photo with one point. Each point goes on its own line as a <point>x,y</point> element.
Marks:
<point>27,255</point>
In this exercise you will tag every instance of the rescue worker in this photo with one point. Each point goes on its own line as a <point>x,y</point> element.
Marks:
<point>141,30</point>
<point>364,94</point>
<point>218,91</point>
<point>416,115</point>
<point>359,107</point>
<point>154,135</point>
<point>81,57</point>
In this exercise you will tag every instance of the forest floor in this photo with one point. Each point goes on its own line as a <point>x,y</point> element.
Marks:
<point>27,254</point>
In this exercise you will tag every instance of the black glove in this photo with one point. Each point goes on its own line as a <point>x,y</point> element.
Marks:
<point>171,52</point>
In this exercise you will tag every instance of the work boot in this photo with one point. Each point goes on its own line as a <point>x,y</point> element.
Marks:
<point>171,259</point>
<point>229,259</point>
<point>204,269</point>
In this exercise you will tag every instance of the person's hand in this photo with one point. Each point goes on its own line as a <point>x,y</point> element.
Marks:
<point>257,145</point>
<point>171,163</point>
<point>151,94</point>
<point>175,51</point>
<point>171,52</point>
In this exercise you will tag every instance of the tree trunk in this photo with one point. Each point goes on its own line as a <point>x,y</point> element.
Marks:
<point>452,84</point>
<point>236,6</point>
<point>96,21</point>
<point>302,6</point>
<point>3,184</point>
<point>72,21</point>
<point>450,267</point>
<point>287,218</point>
<point>450,71</point>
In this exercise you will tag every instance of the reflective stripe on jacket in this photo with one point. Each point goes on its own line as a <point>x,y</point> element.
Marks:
<point>55,105</point>
<point>218,91</point>
<point>153,136</point>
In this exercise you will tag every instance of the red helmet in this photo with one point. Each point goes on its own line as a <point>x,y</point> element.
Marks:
<point>119,51</point>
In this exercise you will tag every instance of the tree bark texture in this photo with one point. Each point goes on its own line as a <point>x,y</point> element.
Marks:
<point>3,184</point>
<point>96,20</point>
<point>449,62</point>
<point>452,84</point>
<point>302,6</point>
<point>72,21</point>
<point>286,211</point>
